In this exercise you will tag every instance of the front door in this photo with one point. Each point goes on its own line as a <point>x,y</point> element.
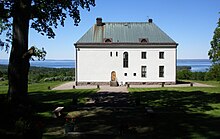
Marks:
<point>113,76</point>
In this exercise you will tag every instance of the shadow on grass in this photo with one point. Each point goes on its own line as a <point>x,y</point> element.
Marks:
<point>175,114</point>
<point>176,101</point>
<point>41,102</point>
<point>182,114</point>
<point>46,102</point>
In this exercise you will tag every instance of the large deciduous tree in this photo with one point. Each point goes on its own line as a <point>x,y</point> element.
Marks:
<point>214,55</point>
<point>214,52</point>
<point>16,17</point>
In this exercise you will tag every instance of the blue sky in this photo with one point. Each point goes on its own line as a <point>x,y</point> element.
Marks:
<point>189,22</point>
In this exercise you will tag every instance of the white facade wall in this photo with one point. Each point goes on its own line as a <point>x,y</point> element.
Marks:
<point>96,64</point>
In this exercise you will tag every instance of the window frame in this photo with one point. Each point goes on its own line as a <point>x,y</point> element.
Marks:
<point>143,40</point>
<point>161,55</point>
<point>143,55</point>
<point>144,71</point>
<point>161,71</point>
<point>125,60</point>
<point>107,40</point>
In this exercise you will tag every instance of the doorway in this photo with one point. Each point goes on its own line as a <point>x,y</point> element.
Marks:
<point>113,76</point>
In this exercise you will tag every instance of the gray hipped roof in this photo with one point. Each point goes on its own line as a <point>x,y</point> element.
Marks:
<point>125,32</point>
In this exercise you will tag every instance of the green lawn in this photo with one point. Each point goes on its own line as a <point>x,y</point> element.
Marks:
<point>186,112</point>
<point>3,87</point>
<point>43,102</point>
<point>43,86</point>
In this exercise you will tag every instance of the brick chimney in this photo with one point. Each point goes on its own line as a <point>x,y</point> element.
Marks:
<point>99,21</point>
<point>150,20</point>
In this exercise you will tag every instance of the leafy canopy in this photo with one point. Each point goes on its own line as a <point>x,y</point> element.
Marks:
<point>45,15</point>
<point>214,52</point>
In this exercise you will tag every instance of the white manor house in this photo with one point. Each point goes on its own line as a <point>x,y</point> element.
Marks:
<point>118,53</point>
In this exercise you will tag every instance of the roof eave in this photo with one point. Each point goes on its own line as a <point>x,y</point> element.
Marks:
<point>126,45</point>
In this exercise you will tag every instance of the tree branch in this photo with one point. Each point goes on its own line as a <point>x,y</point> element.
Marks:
<point>29,53</point>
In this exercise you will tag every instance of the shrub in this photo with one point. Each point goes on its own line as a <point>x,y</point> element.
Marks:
<point>2,79</point>
<point>198,76</point>
<point>213,73</point>
<point>1,74</point>
<point>188,75</point>
<point>184,74</point>
<point>68,78</point>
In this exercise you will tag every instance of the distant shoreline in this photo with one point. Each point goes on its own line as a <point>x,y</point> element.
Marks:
<point>178,67</point>
<point>195,64</point>
<point>75,60</point>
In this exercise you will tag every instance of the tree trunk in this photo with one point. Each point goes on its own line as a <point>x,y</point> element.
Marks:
<point>18,67</point>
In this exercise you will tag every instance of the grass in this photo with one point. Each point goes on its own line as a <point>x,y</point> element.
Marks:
<point>187,97</point>
<point>3,87</point>
<point>43,86</point>
<point>186,112</point>
<point>214,89</point>
<point>43,102</point>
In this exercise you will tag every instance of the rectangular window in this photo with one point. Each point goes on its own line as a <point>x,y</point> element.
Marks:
<point>110,54</point>
<point>161,71</point>
<point>161,55</point>
<point>143,55</point>
<point>134,74</point>
<point>116,53</point>
<point>125,74</point>
<point>144,71</point>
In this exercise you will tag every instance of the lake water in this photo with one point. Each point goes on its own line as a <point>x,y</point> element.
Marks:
<point>195,64</point>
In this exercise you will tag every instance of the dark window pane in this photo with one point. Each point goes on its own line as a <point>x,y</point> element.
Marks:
<point>143,71</point>
<point>161,55</point>
<point>143,55</point>
<point>125,60</point>
<point>108,40</point>
<point>161,71</point>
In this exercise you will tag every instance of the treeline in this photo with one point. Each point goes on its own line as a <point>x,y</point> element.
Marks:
<point>212,74</point>
<point>3,72</point>
<point>41,74</point>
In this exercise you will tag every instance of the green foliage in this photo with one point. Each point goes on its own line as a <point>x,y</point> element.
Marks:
<point>214,52</point>
<point>45,15</point>
<point>198,76</point>
<point>214,55</point>
<point>188,75</point>
<point>184,74</point>
<point>213,73</point>
<point>39,53</point>
<point>40,74</point>
<point>16,17</point>
<point>3,72</point>
<point>50,74</point>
